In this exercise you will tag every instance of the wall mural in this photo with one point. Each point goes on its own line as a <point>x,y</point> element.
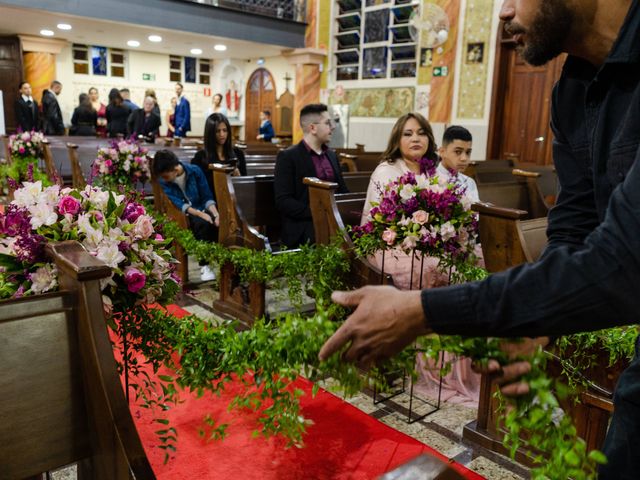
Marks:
<point>474,66</point>
<point>375,102</point>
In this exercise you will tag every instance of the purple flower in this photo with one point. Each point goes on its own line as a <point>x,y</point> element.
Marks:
<point>135,279</point>
<point>68,204</point>
<point>132,211</point>
<point>15,221</point>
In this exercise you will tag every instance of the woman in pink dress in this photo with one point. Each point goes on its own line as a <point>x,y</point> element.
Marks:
<point>410,142</point>
<point>101,110</point>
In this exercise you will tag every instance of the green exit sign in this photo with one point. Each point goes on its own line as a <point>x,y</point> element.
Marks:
<point>148,76</point>
<point>440,71</point>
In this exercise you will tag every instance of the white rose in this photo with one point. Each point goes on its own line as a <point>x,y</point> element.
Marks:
<point>42,214</point>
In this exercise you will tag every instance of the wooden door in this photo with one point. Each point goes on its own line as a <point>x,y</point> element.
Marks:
<point>260,95</point>
<point>10,77</point>
<point>521,107</point>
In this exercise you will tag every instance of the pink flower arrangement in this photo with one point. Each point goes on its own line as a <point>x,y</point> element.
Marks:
<point>117,231</point>
<point>26,145</point>
<point>122,164</point>
<point>421,213</point>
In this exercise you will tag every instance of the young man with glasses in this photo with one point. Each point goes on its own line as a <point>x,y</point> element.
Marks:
<point>309,158</point>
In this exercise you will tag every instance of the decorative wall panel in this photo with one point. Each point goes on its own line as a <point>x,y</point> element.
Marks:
<point>375,102</point>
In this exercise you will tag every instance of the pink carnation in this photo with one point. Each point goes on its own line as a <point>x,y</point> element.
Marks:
<point>135,279</point>
<point>389,236</point>
<point>68,204</point>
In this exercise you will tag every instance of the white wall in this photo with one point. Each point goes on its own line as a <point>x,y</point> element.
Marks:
<point>137,64</point>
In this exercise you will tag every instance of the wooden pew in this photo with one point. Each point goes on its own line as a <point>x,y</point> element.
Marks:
<point>49,166</point>
<point>508,239</point>
<point>333,212</point>
<point>62,400</point>
<point>78,179</point>
<point>517,194</point>
<point>542,185</point>
<point>247,215</point>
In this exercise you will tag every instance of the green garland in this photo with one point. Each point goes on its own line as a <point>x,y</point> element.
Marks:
<point>271,354</point>
<point>21,169</point>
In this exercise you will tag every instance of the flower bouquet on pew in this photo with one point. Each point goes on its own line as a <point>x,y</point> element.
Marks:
<point>122,166</point>
<point>425,214</point>
<point>26,152</point>
<point>117,231</point>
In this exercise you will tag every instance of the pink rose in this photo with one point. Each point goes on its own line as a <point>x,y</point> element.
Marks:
<point>389,236</point>
<point>134,279</point>
<point>68,204</point>
<point>420,216</point>
<point>21,150</point>
<point>143,227</point>
<point>159,237</point>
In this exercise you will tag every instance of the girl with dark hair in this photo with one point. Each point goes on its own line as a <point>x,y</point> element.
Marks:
<point>84,118</point>
<point>117,114</point>
<point>218,148</point>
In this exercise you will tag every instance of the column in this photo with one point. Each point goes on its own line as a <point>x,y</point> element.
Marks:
<point>307,62</point>
<point>39,62</point>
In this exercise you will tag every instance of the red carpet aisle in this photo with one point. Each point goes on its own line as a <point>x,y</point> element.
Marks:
<point>344,443</point>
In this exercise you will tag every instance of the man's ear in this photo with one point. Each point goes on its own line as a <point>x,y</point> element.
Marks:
<point>440,151</point>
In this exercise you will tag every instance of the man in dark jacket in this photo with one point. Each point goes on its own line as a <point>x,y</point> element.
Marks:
<point>52,123</point>
<point>26,109</point>
<point>588,277</point>
<point>309,158</point>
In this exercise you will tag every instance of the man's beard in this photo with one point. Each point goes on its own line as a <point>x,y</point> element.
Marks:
<point>546,37</point>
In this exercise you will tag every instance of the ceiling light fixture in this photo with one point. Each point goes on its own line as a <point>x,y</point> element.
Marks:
<point>133,43</point>
<point>47,33</point>
<point>155,38</point>
<point>220,47</point>
<point>196,51</point>
<point>64,26</point>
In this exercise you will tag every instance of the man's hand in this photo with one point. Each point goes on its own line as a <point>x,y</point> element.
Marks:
<point>385,321</point>
<point>215,215</point>
<point>197,213</point>
<point>508,376</point>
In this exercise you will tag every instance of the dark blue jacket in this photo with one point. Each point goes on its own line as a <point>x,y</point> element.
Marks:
<point>197,191</point>
<point>267,131</point>
<point>183,117</point>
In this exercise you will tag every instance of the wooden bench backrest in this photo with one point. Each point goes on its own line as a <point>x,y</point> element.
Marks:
<point>507,238</point>
<point>236,229</point>
<point>327,210</point>
<point>49,165</point>
<point>357,181</point>
<point>77,176</point>
<point>62,400</point>
<point>506,195</point>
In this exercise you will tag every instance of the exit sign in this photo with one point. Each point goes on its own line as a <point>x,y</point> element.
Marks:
<point>148,76</point>
<point>440,71</point>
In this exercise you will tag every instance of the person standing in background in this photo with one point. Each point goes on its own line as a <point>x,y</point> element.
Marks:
<point>52,123</point>
<point>171,118</point>
<point>101,112</point>
<point>125,93</point>
<point>26,109</point>
<point>83,120</point>
<point>182,113</point>
<point>266,132</point>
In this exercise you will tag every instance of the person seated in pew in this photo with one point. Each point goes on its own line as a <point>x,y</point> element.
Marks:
<point>144,122</point>
<point>455,155</point>
<point>309,158</point>
<point>266,132</point>
<point>219,148</point>
<point>411,147</point>
<point>187,189</point>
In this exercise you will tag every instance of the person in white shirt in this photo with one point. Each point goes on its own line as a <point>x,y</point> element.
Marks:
<point>455,154</point>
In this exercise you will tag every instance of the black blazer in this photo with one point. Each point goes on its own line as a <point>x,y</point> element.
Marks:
<point>52,123</point>
<point>200,159</point>
<point>26,116</point>
<point>292,195</point>
<point>136,124</point>
<point>117,116</point>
